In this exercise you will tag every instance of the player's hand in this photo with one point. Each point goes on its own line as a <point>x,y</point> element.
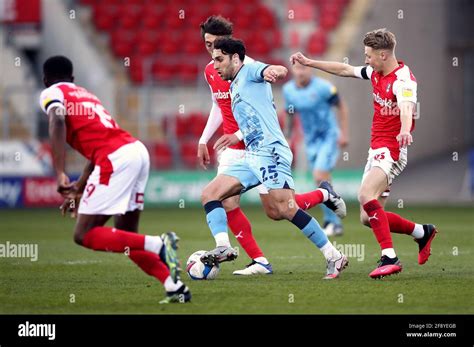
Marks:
<point>225,141</point>
<point>300,58</point>
<point>71,205</point>
<point>64,185</point>
<point>203,156</point>
<point>270,75</point>
<point>343,141</point>
<point>71,200</point>
<point>404,139</point>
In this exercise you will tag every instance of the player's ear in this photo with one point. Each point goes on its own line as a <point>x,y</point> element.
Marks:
<point>235,59</point>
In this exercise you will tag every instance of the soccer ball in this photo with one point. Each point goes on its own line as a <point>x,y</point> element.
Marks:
<point>197,270</point>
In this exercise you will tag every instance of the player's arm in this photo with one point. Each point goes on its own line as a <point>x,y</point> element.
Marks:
<point>57,134</point>
<point>274,73</point>
<point>343,119</point>
<point>406,93</point>
<point>71,201</point>
<point>289,124</point>
<point>227,140</point>
<point>213,122</point>
<point>81,183</point>
<point>290,113</point>
<point>332,67</point>
<point>406,117</point>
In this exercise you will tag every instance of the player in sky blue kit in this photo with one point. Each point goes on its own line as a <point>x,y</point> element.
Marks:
<point>267,158</point>
<point>313,99</point>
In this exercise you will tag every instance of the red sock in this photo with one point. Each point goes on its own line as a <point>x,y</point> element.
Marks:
<point>399,225</point>
<point>150,263</point>
<point>308,200</point>
<point>379,223</point>
<point>242,229</point>
<point>112,240</point>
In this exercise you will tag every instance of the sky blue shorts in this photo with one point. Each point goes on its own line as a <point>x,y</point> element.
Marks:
<point>323,152</point>
<point>269,165</point>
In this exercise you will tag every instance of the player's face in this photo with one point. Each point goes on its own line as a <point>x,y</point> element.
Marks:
<point>209,42</point>
<point>302,74</point>
<point>223,65</point>
<point>374,58</point>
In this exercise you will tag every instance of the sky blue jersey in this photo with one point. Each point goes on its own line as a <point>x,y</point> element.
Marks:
<point>254,109</point>
<point>314,104</point>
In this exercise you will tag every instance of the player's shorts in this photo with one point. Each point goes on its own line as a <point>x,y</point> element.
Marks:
<point>229,157</point>
<point>269,166</point>
<point>382,158</point>
<point>323,152</point>
<point>117,185</point>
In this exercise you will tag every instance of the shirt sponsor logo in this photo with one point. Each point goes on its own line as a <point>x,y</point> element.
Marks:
<point>221,95</point>
<point>382,102</point>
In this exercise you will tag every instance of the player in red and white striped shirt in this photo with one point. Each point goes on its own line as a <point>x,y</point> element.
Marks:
<point>395,97</point>
<point>113,182</point>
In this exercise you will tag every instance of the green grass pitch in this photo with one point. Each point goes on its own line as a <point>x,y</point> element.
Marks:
<point>70,279</point>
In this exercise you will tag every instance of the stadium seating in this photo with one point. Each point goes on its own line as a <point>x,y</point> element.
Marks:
<point>146,29</point>
<point>188,129</point>
<point>162,156</point>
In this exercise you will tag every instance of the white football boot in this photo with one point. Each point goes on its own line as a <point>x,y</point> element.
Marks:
<point>255,268</point>
<point>335,267</point>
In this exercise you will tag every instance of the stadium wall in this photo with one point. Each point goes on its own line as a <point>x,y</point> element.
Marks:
<point>422,35</point>
<point>62,34</point>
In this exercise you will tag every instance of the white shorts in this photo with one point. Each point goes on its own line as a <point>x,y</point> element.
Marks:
<point>230,157</point>
<point>121,190</point>
<point>382,158</point>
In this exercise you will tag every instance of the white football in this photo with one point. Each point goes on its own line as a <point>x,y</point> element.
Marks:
<point>197,270</point>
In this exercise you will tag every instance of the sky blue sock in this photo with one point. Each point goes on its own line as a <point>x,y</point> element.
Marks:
<point>216,217</point>
<point>310,227</point>
<point>329,215</point>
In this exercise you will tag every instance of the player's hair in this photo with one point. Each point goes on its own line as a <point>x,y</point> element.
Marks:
<point>216,25</point>
<point>230,46</point>
<point>380,39</point>
<point>57,67</point>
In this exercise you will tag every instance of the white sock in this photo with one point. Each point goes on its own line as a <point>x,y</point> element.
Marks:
<point>262,260</point>
<point>170,286</point>
<point>330,252</point>
<point>418,231</point>
<point>389,252</point>
<point>325,194</point>
<point>153,244</point>
<point>222,239</point>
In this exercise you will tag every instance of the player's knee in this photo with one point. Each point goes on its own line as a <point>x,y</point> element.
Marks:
<point>207,195</point>
<point>283,211</point>
<point>230,204</point>
<point>364,197</point>
<point>273,213</point>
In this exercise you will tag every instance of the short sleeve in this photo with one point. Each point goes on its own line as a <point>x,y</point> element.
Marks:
<point>405,90</point>
<point>52,96</point>
<point>363,72</point>
<point>255,71</point>
<point>333,95</point>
